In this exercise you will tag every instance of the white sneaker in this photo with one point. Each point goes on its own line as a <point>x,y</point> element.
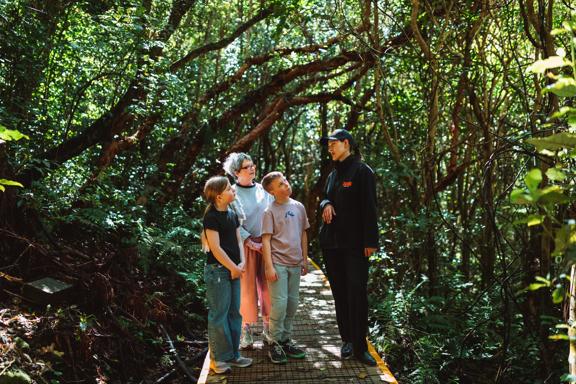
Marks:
<point>246,341</point>
<point>241,362</point>
<point>220,367</point>
<point>266,336</point>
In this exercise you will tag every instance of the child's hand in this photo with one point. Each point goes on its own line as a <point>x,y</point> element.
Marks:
<point>271,274</point>
<point>242,266</point>
<point>236,272</point>
<point>304,270</point>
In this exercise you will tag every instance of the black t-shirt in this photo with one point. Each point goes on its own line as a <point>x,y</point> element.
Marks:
<point>225,223</point>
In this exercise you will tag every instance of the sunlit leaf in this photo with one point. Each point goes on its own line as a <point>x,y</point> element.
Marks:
<point>558,337</point>
<point>558,31</point>
<point>11,183</point>
<point>536,286</point>
<point>564,87</point>
<point>10,134</point>
<point>533,220</point>
<point>558,295</point>
<point>553,194</point>
<point>554,142</point>
<point>555,174</point>
<point>533,179</point>
<point>519,196</point>
<point>543,280</point>
<point>541,66</point>
<point>562,112</point>
<point>569,25</point>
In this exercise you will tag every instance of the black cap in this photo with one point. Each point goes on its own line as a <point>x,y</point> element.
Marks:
<point>339,134</point>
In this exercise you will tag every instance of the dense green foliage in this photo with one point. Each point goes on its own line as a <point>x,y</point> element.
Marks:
<point>129,106</point>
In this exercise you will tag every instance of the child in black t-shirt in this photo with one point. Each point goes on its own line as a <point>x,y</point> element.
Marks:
<point>224,266</point>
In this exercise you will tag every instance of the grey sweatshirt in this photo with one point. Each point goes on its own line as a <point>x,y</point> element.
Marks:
<point>249,205</point>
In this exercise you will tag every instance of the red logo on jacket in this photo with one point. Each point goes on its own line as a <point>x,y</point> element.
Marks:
<point>346,184</point>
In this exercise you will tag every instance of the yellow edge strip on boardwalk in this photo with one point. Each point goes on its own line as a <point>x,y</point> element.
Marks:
<point>383,367</point>
<point>205,370</point>
<point>381,364</point>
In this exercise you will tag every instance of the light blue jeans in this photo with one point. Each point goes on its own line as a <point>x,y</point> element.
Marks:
<point>224,320</point>
<point>284,294</point>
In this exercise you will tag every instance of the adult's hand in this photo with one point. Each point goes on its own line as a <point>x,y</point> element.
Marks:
<point>369,251</point>
<point>328,213</point>
<point>253,245</point>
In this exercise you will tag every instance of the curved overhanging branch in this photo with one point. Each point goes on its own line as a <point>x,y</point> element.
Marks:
<point>223,42</point>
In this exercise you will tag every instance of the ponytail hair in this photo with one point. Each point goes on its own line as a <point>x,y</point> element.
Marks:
<point>213,187</point>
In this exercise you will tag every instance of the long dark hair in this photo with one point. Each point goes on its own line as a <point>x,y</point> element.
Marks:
<point>213,187</point>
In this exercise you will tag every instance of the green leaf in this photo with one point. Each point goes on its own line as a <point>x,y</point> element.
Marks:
<point>11,183</point>
<point>533,179</point>
<point>543,280</point>
<point>569,25</point>
<point>555,174</point>
<point>572,120</point>
<point>536,286</point>
<point>10,134</point>
<point>563,87</point>
<point>519,196</point>
<point>558,31</point>
<point>562,112</point>
<point>558,337</point>
<point>558,295</point>
<point>564,237</point>
<point>533,220</point>
<point>2,188</point>
<point>541,66</point>
<point>553,194</point>
<point>567,378</point>
<point>554,142</point>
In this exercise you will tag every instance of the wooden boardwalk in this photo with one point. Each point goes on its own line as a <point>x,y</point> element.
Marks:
<point>316,331</point>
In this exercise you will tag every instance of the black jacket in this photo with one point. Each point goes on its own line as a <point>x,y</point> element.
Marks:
<point>351,189</point>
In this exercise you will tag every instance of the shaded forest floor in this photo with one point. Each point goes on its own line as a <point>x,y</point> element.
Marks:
<point>118,324</point>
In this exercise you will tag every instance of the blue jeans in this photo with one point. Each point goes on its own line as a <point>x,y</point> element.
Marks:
<point>224,320</point>
<point>284,295</point>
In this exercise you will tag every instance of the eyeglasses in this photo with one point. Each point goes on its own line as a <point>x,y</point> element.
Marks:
<point>249,166</point>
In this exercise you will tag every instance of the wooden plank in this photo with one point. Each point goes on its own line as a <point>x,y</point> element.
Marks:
<point>316,331</point>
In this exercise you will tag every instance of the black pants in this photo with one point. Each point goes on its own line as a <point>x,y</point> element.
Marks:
<point>347,271</point>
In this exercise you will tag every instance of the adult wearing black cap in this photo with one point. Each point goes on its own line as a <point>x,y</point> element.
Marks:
<point>348,236</point>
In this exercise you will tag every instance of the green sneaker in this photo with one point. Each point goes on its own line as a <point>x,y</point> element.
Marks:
<point>292,350</point>
<point>276,353</point>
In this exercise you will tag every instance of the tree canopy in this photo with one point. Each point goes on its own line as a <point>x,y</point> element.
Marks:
<point>114,113</point>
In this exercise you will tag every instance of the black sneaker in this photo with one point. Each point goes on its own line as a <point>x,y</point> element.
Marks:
<point>276,353</point>
<point>292,351</point>
<point>367,359</point>
<point>346,351</point>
